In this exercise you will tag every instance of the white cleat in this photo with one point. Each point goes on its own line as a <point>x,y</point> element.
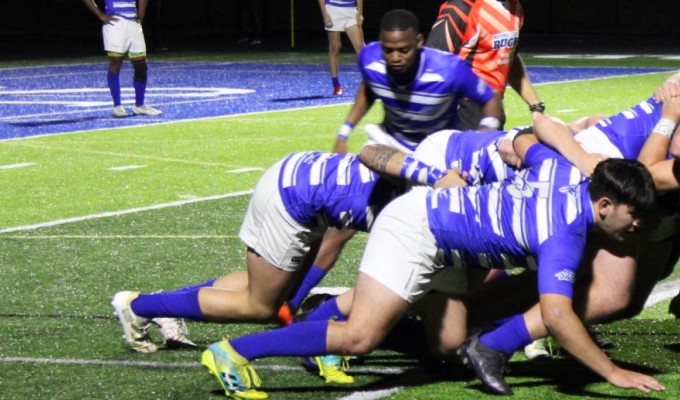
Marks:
<point>135,328</point>
<point>536,350</point>
<point>120,111</point>
<point>146,110</point>
<point>174,331</point>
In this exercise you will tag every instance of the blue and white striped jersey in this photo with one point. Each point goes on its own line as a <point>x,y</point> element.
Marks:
<point>334,188</point>
<point>429,103</point>
<point>539,218</point>
<point>123,8</point>
<point>342,3</point>
<point>477,154</point>
<point>626,131</point>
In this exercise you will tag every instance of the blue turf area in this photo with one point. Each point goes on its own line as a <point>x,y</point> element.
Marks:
<point>60,99</point>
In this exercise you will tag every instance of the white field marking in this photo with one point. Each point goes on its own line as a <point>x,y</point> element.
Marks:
<point>372,394</point>
<point>126,167</point>
<point>584,56</point>
<point>179,364</point>
<point>123,212</point>
<point>125,155</point>
<point>670,57</point>
<point>662,292</point>
<point>335,291</point>
<point>18,165</point>
<point>242,170</point>
<point>166,121</point>
<point>118,237</point>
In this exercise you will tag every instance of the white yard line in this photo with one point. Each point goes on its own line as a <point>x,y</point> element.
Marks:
<point>122,212</point>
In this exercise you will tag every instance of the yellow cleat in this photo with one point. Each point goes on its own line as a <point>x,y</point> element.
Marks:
<point>332,368</point>
<point>235,374</point>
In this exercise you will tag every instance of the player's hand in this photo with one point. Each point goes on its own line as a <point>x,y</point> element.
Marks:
<point>671,109</point>
<point>360,20</point>
<point>667,91</point>
<point>508,155</point>
<point>340,146</point>
<point>327,21</point>
<point>109,19</point>
<point>632,380</point>
<point>453,178</point>
<point>588,163</point>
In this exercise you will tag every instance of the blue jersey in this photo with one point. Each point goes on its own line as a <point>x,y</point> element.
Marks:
<point>540,218</point>
<point>332,189</point>
<point>342,3</point>
<point>429,103</point>
<point>123,8</point>
<point>627,131</point>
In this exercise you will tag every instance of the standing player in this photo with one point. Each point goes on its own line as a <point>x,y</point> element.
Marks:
<point>122,32</point>
<point>419,87</point>
<point>341,16</point>
<point>544,214</point>
<point>485,33</point>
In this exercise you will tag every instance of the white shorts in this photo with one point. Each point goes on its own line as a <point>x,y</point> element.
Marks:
<point>377,135</point>
<point>402,253</point>
<point>269,230</point>
<point>342,17</point>
<point>124,36</point>
<point>593,140</point>
<point>432,150</point>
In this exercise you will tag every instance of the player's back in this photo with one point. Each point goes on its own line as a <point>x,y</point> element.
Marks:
<point>622,135</point>
<point>334,189</point>
<point>474,152</point>
<point>512,218</point>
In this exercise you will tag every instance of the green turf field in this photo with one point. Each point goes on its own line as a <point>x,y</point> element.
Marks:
<point>60,339</point>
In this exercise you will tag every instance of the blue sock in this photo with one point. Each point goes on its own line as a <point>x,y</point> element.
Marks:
<point>313,277</point>
<point>304,339</point>
<point>198,286</point>
<point>140,88</point>
<point>327,311</point>
<point>113,79</point>
<point>178,304</point>
<point>336,81</point>
<point>509,337</point>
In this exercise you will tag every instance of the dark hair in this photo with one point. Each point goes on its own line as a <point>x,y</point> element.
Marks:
<point>624,182</point>
<point>399,20</point>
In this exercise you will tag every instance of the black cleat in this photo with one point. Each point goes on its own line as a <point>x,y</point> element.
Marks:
<point>674,307</point>
<point>489,365</point>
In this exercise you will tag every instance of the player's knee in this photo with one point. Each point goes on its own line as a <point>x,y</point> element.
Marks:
<point>140,68</point>
<point>360,343</point>
<point>334,48</point>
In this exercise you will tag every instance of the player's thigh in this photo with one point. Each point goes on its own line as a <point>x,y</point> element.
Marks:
<point>356,37</point>
<point>267,284</point>
<point>375,309</point>
<point>334,41</point>
<point>270,231</point>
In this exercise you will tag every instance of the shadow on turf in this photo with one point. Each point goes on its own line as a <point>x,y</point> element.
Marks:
<point>285,100</point>
<point>30,124</point>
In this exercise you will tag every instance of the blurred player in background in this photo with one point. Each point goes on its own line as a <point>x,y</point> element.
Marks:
<point>122,32</point>
<point>341,16</point>
<point>485,33</point>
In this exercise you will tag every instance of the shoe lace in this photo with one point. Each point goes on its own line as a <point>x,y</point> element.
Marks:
<point>252,378</point>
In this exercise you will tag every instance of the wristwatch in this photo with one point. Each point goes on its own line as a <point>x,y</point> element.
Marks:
<point>538,107</point>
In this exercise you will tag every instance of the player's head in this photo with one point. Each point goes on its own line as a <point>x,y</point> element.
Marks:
<point>623,196</point>
<point>400,40</point>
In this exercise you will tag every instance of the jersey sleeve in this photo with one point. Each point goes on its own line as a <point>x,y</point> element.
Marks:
<point>558,260</point>
<point>450,30</point>
<point>468,84</point>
